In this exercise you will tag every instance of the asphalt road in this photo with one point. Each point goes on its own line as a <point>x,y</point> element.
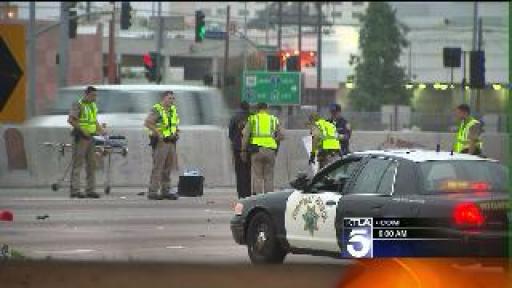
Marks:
<point>124,226</point>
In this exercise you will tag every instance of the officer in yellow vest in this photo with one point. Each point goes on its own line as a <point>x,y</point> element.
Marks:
<point>261,137</point>
<point>84,121</point>
<point>163,122</point>
<point>467,140</point>
<point>325,142</point>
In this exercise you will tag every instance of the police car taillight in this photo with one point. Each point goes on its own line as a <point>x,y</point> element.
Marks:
<point>468,214</point>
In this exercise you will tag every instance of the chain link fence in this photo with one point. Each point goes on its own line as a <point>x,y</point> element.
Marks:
<point>378,121</point>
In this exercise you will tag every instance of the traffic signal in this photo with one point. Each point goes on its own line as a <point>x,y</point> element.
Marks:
<point>126,15</point>
<point>73,21</point>
<point>451,57</point>
<point>150,66</point>
<point>200,26</point>
<point>477,69</point>
<point>292,64</point>
<point>273,63</point>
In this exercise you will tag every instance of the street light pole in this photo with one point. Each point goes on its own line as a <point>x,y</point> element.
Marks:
<point>226,49</point>
<point>319,52</point>
<point>63,44</point>
<point>159,42</point>
<point>31,67</point>
<point>245,36</point>
<point>475,29</point>
<point>111,48</point>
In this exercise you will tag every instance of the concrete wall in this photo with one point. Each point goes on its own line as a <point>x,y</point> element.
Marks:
<point>204,147</point>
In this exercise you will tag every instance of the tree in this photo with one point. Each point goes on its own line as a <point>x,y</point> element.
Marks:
<point>378,78</point>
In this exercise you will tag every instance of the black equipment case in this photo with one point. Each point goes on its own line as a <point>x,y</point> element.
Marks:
<point>191,186</point>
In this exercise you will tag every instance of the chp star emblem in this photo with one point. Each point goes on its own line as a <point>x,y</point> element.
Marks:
<point>310,220</point>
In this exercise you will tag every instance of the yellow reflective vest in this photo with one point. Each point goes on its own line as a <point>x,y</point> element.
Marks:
<point>169,120</point>
<point>461,138</point>
<point>263,129</point>
<point>329,139</point>
<point>88,113</point>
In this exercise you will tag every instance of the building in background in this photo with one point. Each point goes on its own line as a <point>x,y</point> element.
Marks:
<point>433,26</point>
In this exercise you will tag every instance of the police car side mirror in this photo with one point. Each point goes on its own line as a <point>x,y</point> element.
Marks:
<point>301,182</point>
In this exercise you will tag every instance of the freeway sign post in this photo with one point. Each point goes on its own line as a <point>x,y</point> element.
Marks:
<point>273,88</point>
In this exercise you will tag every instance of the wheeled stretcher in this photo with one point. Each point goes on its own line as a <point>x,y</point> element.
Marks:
<point>105,146</point>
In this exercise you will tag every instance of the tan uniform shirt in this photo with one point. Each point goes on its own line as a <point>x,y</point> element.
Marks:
<point>153,116</point>
<point>475,131</point>
<point>75,110</point>
<point>317,140</point>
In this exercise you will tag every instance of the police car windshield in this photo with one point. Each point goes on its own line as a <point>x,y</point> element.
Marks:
<point>462,176</point>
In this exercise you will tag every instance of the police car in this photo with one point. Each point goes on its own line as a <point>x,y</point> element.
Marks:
<point>466,193</point>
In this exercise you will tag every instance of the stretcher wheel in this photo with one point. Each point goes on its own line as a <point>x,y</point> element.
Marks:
<point>107,190</point>
<point>55,187</point>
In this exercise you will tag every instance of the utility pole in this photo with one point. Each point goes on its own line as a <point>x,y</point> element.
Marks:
<point>267,20</point>
<point>226,49</point>
<point>63,44</point>
<point>159,44</point>
<point>31,67</point>
<point>279,24</point>
<point>88,11</point>
<point>245,36</point>
<point>300,36</point>
<point>111,47</point>
<point>409,70</point>
<point>319,52</point>
<point>464,81</point>
<point>475,27</point>
<point>479,49</point>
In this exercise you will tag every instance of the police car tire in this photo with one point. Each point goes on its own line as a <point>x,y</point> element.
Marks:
<point>273,252</point>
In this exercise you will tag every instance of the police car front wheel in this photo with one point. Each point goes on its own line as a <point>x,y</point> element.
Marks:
<point>262,244</point>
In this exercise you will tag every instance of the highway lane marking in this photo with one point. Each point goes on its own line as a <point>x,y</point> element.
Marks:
<point>219,211</point>
<point>74,251</point>
<point>175,247</point>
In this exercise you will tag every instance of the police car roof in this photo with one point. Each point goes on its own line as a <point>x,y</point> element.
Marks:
<point>144,87</point>
<point>419,155</point>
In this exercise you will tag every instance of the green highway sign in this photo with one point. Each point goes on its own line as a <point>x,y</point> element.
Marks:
<point>273,88</point>
<point>267,48</point>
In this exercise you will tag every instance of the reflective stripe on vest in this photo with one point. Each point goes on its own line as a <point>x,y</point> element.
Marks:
<point>263,128</point>
<point>329,135</point>
<point>461,138</point>
<point>88,112</point>
<point>169,121</point>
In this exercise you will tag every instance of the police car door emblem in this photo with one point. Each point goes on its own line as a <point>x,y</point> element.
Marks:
<point>310,216</point>
<point>310,220</point>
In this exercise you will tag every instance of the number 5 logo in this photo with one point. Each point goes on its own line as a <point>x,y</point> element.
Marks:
<point>359,236</point>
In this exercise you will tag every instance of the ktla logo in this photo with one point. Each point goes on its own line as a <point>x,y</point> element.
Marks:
<point>358,237</point>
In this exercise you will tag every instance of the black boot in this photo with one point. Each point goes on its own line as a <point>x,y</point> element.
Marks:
<point>92,194</point>
<point>154,196</point>
<point>77,195</point>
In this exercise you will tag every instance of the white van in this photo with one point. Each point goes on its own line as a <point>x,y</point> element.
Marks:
<point>128,105</point>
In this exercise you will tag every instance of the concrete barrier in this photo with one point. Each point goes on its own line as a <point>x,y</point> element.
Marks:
<point>206,148</point>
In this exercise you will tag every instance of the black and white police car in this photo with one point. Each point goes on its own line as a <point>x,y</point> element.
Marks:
<point>467,193</point>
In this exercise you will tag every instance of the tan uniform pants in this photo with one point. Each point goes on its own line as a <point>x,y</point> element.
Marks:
<point>163,160</point>
<point>262,170</point>
<point>83,151</point>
